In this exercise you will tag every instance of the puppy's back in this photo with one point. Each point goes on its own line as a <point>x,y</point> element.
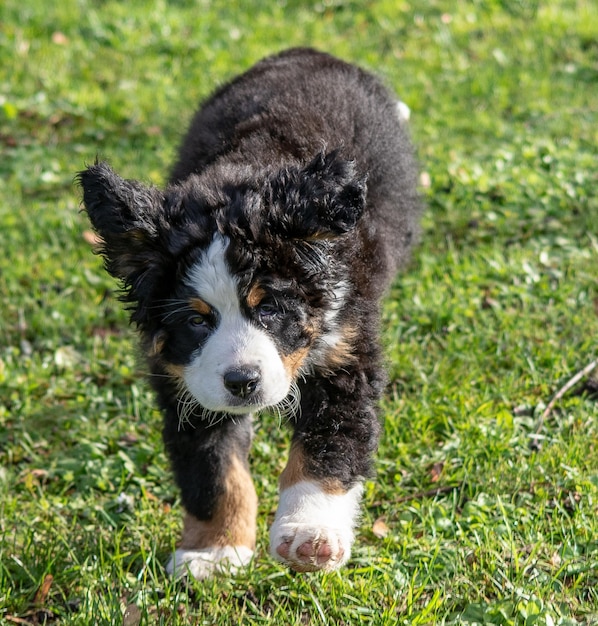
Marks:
<point>302,102</point>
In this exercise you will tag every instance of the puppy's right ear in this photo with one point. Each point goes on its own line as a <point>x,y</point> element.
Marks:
<point>127,217</point>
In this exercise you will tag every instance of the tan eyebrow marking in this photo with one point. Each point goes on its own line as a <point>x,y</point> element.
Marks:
<point>197,304</point>
<point>255,296</point>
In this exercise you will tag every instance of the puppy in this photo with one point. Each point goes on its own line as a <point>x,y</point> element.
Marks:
<point>255,280</point>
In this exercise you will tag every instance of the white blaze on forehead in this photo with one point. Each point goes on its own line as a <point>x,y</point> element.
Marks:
<point>212,280</point>
<point>235,342</point>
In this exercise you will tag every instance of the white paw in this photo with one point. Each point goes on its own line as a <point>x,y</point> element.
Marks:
<point>204,563</point>
<point>313,530</point>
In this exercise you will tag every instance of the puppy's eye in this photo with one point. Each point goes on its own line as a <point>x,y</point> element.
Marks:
<point>267,310</point>
<point>267,313</point>
<point>197,321</point>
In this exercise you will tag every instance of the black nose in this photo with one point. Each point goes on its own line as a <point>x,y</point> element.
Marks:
<point>242,381</point>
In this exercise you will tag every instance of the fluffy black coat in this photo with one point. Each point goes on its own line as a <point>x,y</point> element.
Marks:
<point>303,164</point>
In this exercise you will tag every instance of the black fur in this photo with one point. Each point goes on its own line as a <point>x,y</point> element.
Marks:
<point>303,164</point>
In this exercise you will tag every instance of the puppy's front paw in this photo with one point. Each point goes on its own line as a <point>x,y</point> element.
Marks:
<point>313,530</point>
<point>202,564</point>
<point>307,549</point>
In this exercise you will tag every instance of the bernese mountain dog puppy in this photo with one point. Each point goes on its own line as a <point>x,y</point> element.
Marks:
<point>255,280</point>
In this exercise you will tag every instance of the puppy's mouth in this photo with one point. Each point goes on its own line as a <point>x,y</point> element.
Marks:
<point>240,407</point>
<point>285,404</point>
<point>251,405</point>
<point>287,408</point>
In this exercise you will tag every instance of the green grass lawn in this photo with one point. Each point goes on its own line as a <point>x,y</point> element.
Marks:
<point>482,512</point>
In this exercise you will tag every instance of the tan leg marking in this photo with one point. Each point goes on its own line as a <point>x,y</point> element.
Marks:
<point>234,521</point>
<point>296,472</point>
<point>314,524</point>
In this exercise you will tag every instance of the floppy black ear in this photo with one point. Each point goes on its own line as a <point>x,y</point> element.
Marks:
<point>126,215</point>
<point>324,199</point>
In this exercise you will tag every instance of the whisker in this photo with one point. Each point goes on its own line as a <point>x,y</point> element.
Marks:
<point>186,406</point>
<point>162,304</point>
<point>176,305</point>
<point>213,418</point>
<point>278,412</point>
<point>176,311</point>
<point>170,376</point>
<point>290,407</point>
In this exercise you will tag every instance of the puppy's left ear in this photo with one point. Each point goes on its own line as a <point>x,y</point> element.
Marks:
<point>323,200</point>
<point>127,217</point>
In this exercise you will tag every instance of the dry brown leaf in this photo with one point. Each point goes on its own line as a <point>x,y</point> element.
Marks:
<point>41,595</point>
<point>380,529</point>
<point>60,39</point>
<point>436,471</point>
<point>132,615</point>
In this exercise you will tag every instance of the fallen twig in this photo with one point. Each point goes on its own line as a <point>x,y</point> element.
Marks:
<point>420,495</point>
<point>17,620</point>
<point>564,389</point>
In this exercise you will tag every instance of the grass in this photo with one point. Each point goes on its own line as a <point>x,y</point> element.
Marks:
<point>481,513</point>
